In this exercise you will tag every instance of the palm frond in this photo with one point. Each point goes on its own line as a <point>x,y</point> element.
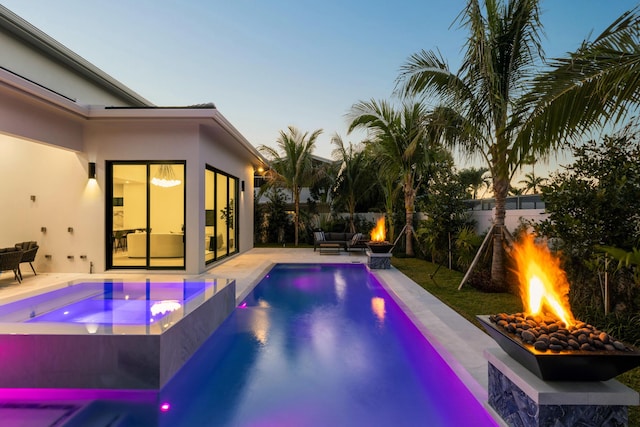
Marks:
<point>596,85</point>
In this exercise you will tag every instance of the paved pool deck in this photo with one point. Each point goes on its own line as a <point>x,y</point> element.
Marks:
<point>460,343</point>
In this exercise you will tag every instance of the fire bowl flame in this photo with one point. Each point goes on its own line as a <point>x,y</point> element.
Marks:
<point>597,358</point>
<point>380,247</point>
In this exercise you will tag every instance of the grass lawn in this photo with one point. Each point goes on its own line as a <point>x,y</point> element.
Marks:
<point>470,302</point>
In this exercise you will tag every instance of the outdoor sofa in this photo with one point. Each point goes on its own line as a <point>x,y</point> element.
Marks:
<point>347,241</point>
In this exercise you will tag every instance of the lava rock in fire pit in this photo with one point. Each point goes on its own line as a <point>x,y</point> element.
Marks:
<point>547,333</point>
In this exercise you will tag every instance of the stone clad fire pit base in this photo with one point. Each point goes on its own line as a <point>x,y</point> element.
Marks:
<point>523,399</point>
<point>380,261</point>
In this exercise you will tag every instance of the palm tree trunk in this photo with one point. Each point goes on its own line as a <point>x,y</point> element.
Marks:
<point>409,234</point>
<point>409,200</point>
<point>498,272</point>
<point>296,219</point>
<point>352,210</point>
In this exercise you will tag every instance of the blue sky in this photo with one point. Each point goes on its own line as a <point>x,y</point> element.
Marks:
<point>270,64</point>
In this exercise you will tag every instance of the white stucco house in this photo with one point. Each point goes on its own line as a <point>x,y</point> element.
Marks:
<point>173,187</point>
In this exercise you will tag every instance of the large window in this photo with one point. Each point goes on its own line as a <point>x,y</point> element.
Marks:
<point>221,214</point>
<point>145,214</point>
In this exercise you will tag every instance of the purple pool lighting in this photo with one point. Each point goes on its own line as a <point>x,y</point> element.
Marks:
<point>319,346</point>
<point>311,346</point>
<point>109,334</point>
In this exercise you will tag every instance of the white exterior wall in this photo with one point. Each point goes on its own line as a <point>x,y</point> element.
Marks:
<point>64,198</point>
<point>512,217</point>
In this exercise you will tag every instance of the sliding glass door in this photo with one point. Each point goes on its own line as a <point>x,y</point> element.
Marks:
<point>221,214</point>
<point>145,214</point>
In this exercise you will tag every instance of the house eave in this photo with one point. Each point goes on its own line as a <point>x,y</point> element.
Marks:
<point>205,116</point>
<point>33,90</point>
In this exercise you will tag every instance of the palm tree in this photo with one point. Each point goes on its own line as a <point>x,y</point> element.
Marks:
<point>532,182</point>
<point>474,179</point>
<point>322,190</point>
<point>353,179</point>
<point>403,146</point>
<point>508,111</point>
<point>516,191</point>
<point>502,52</point>
<point>291,167</point>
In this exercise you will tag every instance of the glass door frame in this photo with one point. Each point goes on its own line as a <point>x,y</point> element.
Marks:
<point>227,236</point>
<point>109,213</point>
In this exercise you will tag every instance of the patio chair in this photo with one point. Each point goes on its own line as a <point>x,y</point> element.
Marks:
<point>10,261</point>
<point>29,250</point>
<point>358,241</point>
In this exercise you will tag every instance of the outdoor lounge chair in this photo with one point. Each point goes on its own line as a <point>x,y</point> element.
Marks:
<point>358,241</point>
<point>10,261</point>
<point>29,250</point>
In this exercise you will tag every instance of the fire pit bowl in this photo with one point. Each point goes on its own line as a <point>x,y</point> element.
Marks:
<point>380,247</point>
<point>572,365</point>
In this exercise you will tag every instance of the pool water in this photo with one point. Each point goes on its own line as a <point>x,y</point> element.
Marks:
<point>114,303</point>
<point>318,346</point>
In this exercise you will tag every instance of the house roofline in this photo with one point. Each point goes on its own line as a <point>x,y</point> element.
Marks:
<point>40,40</point>
<point>203,112</point>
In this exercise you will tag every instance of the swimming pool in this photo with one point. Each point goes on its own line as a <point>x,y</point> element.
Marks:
<point>109,334</point>
<point>319,345</point>
<point>311,345</point>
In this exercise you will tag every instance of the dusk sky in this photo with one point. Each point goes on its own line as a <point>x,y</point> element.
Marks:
<point>270,64</point>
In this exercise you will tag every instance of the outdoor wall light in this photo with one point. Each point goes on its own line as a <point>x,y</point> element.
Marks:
<point>33,198</point>
<point>92,170</point>
<point>70,229</point>
<point>242,186</point>
<point>43,229</point>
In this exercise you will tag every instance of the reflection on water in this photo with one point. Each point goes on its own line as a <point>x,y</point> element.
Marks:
<point>340,285</point>
<point>377,306</point>
<point>318,347</point>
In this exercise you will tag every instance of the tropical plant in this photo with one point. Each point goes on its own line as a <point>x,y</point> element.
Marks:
<point>291,166</point>
<point>404,146</point>
<point>322,187</point>
<point>596,85</point>
<point>474,179</point>
<point>515,191</point>
<point>507,110</point>
<point>446,213</point>
<point>353,180</point>
<point>275,222</point>
<point>594,203</point>
<point>467,243</point>
<point>532,182</point>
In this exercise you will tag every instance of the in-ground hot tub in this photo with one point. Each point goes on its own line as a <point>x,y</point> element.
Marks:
<point>109,334</point>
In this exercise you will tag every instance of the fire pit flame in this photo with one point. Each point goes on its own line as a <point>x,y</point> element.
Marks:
<point>378,244</point>
<point>546,338</point>
<point>543,283</point>
<point>378,233</point>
